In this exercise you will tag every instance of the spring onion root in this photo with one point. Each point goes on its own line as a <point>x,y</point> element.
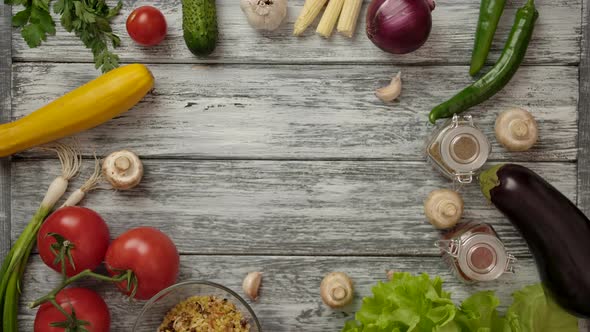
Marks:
<point>92,183</point>
<point>70,165</point>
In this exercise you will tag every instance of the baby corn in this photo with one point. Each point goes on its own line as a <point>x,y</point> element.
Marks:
<point>310,11</point>
<point>330,17</point>
<point>349,17</point>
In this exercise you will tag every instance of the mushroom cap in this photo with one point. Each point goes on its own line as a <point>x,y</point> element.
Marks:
<point>443,208</point>
<point>516,129</point>
<point>336,289</point>
<point>123,169</point>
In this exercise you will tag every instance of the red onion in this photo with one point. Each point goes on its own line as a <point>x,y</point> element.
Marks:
<point>399,26</point>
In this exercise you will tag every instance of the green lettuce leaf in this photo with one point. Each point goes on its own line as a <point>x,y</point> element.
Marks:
<point>533,311</point>
<point>406,303</point>
<point>410,303</point>
<point>478,313</point>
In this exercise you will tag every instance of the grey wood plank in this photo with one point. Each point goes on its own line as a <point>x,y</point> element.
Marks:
<point>556,39</point>
<point>5,115</point>
<point>584,123</point>
<point>310,112</point>
<point>289,298</point>
<point>281,207</point>
<point>584,118</point>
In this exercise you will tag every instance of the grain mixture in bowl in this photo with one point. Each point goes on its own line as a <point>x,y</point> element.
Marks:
<point>204,314</point>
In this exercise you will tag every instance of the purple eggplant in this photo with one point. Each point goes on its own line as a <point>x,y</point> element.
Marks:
<point>556,231</point>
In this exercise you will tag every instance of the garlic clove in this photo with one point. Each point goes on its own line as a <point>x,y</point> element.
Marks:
<point>251,285</point>
<point>392,91</point>
<point>389,274</point>
<point>443,208</point>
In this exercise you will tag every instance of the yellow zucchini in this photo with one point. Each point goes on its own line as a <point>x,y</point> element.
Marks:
<point>86,107</point>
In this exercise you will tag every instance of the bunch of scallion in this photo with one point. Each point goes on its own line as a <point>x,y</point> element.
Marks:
<point>15,262</point>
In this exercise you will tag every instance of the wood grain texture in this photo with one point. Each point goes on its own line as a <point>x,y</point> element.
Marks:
<point>556,39</point>
<point>5,116</point>
<point>281,207</point>
<point>304,102</point>
<point>289,299</point>
<point>584,124</point>
<point>310,112</point>
<point>584,118</point>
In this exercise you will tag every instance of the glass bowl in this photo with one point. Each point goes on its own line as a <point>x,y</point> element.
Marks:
<point>152,314</point>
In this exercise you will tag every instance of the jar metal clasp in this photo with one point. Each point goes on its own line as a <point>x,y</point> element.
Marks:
<point>464,178</point>
<point>451,247</point>
<point>510,260</point>
<point>468,119</point>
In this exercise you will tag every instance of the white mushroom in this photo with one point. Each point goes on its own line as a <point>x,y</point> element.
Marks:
<point>392,91</point>
<point>251,285</point>
<point>337,290</point>
<point>264,14</point>
<point>443,208</point>
<point>123,169</point>
<point>516,129</point>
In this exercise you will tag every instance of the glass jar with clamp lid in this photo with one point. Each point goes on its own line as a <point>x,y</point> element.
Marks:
<point>458,149</point>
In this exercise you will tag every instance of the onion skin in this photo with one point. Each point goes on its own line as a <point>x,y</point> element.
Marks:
<point>399,26</point>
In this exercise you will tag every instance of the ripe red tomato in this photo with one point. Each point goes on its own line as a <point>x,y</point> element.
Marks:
<point>86,232</point>
<point>147,26</point>
<point>150,254</point>
<point>87,305</point>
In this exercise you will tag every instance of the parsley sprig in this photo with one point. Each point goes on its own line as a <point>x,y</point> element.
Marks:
<point>88,19</point>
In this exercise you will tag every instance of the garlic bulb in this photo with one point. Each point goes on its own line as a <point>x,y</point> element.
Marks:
<point>264,14</point>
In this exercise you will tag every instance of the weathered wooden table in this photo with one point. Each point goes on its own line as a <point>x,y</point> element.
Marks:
<point>274,155</point>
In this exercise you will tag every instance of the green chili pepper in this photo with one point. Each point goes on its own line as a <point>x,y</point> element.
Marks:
<point>490,12</point>
<point>492,82</point>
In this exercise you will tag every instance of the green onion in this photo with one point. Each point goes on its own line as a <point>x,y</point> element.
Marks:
<point>15,262</point>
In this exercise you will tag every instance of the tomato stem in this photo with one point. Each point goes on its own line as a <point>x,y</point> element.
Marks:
<point>62,250</point>
<point>58,307</point>
<point>128,275</point>
<point>72,323</point>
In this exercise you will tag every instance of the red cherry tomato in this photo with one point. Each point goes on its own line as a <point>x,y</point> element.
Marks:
<point>87,305</point>
<point>147,26</point>
<point>152,257</point>
<point>86,233</point>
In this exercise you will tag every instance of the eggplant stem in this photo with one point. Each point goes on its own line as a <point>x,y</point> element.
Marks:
<point>488,180</point>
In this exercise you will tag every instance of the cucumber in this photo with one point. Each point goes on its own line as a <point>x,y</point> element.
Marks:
<point>199,25</point>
